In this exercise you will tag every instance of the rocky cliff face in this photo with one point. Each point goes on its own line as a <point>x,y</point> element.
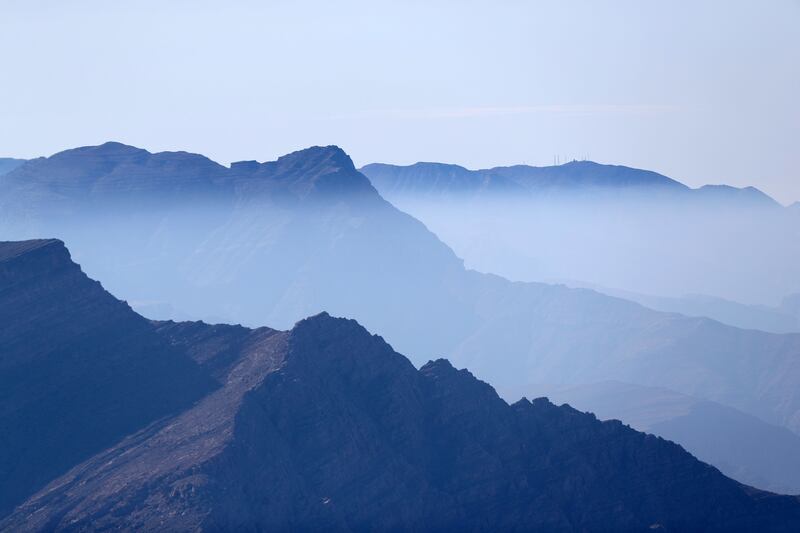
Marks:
<point>307,233</point>
<point>78,368</point>
<point>741,446</point>
<point>324,426</point>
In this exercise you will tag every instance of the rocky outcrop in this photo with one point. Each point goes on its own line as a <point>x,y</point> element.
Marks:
<point>79,369</point>
<point>307,233</point>
<point>326,427</point>
<point>742,446</point>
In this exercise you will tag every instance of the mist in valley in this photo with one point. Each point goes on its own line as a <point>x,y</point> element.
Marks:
<point>180,237</point>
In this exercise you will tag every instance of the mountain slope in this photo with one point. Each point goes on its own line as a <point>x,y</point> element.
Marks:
<point>436,180</point>
<point>326,427</point>
<point>576,178</point>
<point>604,225</point>
<point>308,233</point>
<point>79,369</point>
<point>741,446</point>
<point>577,336</point>
<point>7,164</point>
<point>773,319</point>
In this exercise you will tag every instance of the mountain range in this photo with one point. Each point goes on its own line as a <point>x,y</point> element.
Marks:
<point>607,226</point>
<point>740,445</point>
<point>782,318</point>
<point>271,243</point>
<point>323,426</point>
<point>576,178</point>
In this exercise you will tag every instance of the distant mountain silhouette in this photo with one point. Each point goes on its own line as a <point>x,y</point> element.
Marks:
<point>79,369</point>
<point>7,164</point>
<point>100,177</point>
<point>326,427</point>
<point>777,319</point>
<point>745,196</point>
<point>308,233</point>
<point>604,225</point>
<point>740,445</point>
<point>791,304</point>
<point>444,181</point>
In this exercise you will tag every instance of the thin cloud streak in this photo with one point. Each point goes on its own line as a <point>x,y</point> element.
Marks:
<point>498,111</point>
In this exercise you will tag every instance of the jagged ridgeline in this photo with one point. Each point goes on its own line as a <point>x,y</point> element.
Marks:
<point>180,236</point>
<point>188,426</point>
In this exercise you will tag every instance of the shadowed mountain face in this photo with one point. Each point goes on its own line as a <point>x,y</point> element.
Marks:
<point>79,369</point>
<point>326,427</point>
<point>605,225</point>
<point>308,233</point>
<point>742,446</point>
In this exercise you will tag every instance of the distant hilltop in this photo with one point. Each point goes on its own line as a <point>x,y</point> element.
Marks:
<point>439,180</point>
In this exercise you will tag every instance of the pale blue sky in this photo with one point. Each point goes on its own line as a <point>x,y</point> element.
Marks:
<point>704,91</point>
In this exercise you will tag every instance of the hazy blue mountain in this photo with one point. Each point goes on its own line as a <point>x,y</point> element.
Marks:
<point>447,181</point>
<point>308,232</point>
<point>7,164</point>
<point>791,304</point>
<point>326,427</point>
<point>606,225</point>
<point>778,319</point>
<point>725,195</point>
<point>741,446</point>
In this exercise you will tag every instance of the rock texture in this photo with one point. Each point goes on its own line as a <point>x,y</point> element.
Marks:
<point>322,427</point>
<point>78,368</point>
<point>289,238</point>
<point>742,446</point>
<point>325,427</point>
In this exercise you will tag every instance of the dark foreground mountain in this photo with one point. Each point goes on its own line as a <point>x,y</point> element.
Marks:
<point>78,368</point>
<point>281,240</point>
<point>325,427</point>
<point>740,445</point>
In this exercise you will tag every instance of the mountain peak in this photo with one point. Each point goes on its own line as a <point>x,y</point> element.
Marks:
<point>67,340</point>
<point>23,261</point>
<point>13,249</point>
<point>318,172</point>
<point>317,158</point>
<point>328,416</point>
<point>749,196</point>
<point>116,147</point>
<point>109,149</point>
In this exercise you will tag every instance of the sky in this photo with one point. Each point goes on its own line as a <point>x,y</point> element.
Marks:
<point>703,91</point>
